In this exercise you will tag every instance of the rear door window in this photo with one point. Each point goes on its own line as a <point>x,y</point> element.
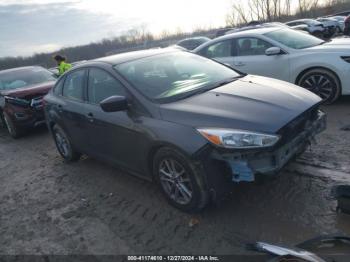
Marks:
<point>220,49</point>
<point>74,85</point>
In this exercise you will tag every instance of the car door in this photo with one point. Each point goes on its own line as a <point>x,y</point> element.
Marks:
<point>112,136</point>
<point>220,51</point>
<point>250,58</point>
<point>71,108</point>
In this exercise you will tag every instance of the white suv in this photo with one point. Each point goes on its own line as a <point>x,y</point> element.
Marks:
<point>287,54</point>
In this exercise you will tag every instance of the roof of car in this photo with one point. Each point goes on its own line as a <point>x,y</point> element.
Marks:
<point>17,69</point>
<point>195,38</point>
<point>301,20</point>
<point>135,55</point>
<point>255,30</point>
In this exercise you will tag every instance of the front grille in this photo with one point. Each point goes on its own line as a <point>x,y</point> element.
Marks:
<point>298,125</point>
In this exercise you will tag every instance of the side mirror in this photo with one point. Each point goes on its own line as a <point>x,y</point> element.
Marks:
<point>273,51</point>
<point>114,104</point>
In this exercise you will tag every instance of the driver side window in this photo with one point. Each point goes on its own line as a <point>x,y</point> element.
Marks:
<point>220,49</point>
<point>102,85</point>
<point>248,46</point>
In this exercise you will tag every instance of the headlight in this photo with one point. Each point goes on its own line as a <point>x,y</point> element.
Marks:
<point>17,101</point>
<point>240,139</point>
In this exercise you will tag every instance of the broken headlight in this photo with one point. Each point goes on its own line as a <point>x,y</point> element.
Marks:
<point>239,139</point>
<point>17,101</point>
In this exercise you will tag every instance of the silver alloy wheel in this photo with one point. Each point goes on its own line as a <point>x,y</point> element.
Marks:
<point>175,181</point>
<point>62,144</point>
<point>319,84</point>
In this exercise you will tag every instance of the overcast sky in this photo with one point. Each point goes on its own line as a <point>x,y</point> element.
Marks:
<point>29,26</point>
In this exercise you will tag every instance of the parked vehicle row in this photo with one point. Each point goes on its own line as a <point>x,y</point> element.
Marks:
<point>194,122</point>
<point>341,21</point>
<point>322,27</point>
<point>313,27</point>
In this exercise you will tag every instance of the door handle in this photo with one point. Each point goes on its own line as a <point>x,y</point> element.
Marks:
<point>60,107</point>
<point>239,63</point>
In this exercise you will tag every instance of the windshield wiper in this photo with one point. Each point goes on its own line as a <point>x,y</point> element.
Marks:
<point>205,89</point>
<point>224,82</point>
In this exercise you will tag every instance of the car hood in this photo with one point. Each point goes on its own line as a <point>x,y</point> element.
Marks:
<point>29,91</point>
<point>250,103</point>
<point>335,45</point>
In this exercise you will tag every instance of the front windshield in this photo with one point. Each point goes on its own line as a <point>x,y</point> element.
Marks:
<point>294,39</point>
<point>22,78</point>
<point>173,76</point>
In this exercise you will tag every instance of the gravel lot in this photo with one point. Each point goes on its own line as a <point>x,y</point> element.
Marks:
<point>50,207</point>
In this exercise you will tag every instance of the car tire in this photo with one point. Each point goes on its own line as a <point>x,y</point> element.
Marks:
<point>64,145</point>
<point>12,129</point>
<point>181,182</point>
<point>323,83</point>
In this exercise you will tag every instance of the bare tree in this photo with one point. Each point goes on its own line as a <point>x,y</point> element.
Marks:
<point>231,19</point>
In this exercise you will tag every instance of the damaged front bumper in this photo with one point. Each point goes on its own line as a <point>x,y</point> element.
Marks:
<point>23,116</point>
<point>244,166</point>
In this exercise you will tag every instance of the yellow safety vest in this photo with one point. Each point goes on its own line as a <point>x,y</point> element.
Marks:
<point>63,67</point>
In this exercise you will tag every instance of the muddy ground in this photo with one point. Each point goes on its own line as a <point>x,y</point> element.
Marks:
<point>51,207</point>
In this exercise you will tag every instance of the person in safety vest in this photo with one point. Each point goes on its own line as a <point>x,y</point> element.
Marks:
<point>62,65</point>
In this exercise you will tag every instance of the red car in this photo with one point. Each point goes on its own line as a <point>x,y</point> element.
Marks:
<point>347,26</point>
<point>21,97</point>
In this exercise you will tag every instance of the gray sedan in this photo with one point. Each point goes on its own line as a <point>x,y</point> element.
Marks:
<point>191,124</point>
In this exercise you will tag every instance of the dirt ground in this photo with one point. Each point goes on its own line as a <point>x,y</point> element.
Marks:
<point>51,207</point>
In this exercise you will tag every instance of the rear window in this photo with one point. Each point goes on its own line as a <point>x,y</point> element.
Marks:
<point>294,39</point>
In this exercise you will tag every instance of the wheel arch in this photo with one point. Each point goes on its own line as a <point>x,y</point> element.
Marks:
<point>317,67</point>
<point>153,151</point>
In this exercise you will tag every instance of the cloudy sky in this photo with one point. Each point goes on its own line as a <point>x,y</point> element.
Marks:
<point>29,26</point>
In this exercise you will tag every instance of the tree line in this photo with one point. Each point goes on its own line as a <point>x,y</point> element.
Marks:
<point>241,13</point>
<point>135,39</point>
